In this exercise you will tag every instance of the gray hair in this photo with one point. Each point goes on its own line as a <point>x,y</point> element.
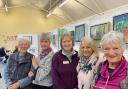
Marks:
<point>45,36</point>
<point>67,34</point>
<point>24,40</point>
<point>113,36</point>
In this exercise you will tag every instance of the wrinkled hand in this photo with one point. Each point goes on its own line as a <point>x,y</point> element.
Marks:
<point>34,62</point>
<point>30,74</point>
<point>14,86</point>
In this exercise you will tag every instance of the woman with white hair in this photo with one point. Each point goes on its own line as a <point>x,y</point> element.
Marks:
<point>88,58</point>
<point>18,66</point>
<point>112,73</point>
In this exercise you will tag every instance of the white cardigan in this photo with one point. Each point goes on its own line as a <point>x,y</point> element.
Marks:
<point>43,75</point>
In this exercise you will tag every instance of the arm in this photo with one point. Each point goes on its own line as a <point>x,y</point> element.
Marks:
<point>44,69</point>
<point>55,75</point>
<point>6,73</point>
<point>28,80</point>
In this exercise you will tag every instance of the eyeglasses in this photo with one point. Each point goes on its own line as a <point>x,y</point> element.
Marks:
<point>104,87</point>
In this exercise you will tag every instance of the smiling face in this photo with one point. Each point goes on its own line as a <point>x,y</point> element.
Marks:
<point>67,44</point>
<point>23,46</point>
<point>86,50</point>
<point>45,44</point>
<point>113,52</point>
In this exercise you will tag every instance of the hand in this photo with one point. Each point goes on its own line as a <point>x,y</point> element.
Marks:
<point>10,87</point>
<point>30,74</point>
<point>15,85</point>
<point>34,62</point>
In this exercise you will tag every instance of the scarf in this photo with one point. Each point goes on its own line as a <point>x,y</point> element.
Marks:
<point>44,53</point>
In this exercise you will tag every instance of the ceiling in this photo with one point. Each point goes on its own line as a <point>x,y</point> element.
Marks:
<point>73,10</point>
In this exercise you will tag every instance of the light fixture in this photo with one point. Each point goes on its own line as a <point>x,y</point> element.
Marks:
<point>6,8</point>
<point>63,2</point>
<point>1,3</point>
<point>49,14</point>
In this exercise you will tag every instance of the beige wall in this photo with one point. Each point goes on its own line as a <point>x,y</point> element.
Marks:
<point>23,21</point>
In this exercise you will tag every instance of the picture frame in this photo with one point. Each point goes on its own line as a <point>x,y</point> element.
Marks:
<point>72,34</point>
<point>29,38</point>
<point>79,32</point>
<point>120,24</point>
<point>97,31</point>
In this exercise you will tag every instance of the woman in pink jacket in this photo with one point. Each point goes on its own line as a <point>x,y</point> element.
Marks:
<point>112,72</point>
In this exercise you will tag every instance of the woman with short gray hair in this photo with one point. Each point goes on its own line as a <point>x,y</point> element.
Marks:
<point>112,73</point>
<point>18,66</point>
<point>43,75</point>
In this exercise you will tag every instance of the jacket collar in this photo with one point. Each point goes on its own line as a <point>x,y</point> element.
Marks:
<point>25,59</point>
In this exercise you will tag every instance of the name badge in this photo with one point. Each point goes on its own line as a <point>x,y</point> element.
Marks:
<point>65,62</point>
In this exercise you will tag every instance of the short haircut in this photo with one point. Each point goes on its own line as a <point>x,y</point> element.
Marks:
<point>45,36</point>
<point>67,34</point>
<point>24,40</point>
<point>113,36</point>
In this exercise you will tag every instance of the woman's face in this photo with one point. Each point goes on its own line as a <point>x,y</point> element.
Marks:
<point>23,46</point>
<point>113,52</point>
<point>87,51</point>
<point>67,44</point>
<point>45,44</point>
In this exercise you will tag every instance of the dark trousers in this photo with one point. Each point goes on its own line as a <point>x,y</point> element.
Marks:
<point>41,87</point>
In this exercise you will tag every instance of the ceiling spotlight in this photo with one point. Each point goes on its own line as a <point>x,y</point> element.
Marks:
<point>63,2</point>
<point>49,14</point>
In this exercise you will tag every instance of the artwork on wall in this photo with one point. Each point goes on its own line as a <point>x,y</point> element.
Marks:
<point>120,24</point>
<point>97,31</point>
<point>54,40</point>
<point>79,32</point>
<point>60,34</point>
<point>29,38</point>
<point>72,34</point>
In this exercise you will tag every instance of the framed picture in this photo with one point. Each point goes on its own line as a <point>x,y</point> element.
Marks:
<point>29,38</point>
<point>54,39</point>
<point>120,24</point>
<point>61,31</point>
<point>97,31</point>
<point>72,34</point>
<point>79,32</point>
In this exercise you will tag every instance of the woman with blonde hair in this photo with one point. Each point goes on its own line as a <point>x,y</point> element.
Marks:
<point>88,58</point>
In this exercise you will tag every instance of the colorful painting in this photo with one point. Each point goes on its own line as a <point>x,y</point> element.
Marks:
<point>120,24</point>
<point>97,31</point>
<point>60,34</point>
<point>79,32</point>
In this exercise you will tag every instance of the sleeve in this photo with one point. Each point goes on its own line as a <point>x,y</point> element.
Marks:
<point>58,83</point>
<point>27,80</point>
<point>6,73</point>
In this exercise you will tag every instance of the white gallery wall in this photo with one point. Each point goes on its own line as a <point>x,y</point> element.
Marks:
<point>98,19</point>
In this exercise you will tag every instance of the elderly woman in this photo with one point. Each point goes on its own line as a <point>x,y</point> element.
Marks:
<point>43,75</point>
<point>18,67</point>
<point>88,59</point>
<point>64,64</point>
<point>112,72</point>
